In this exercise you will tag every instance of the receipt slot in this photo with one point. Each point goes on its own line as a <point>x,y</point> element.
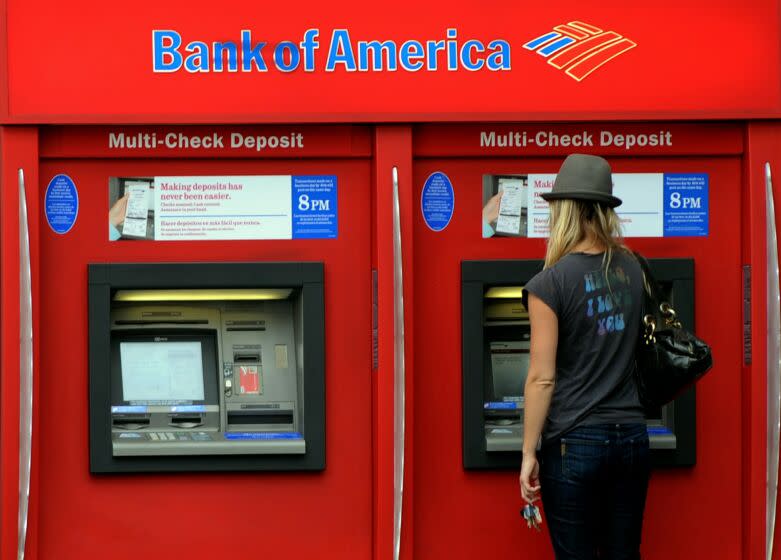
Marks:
<point>199,367</point>
<point>496,344</point>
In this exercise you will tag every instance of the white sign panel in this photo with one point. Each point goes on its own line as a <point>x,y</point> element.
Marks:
<point>641,213</point>
<point>538,208</point>
<point>251,207</point>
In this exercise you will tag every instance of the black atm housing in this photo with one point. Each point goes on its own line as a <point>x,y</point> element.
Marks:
<point>676,277</point>
<point>304,278</point>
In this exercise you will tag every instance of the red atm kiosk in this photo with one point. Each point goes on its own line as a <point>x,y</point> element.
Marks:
<point>470,266</point>
<point>259,269</point>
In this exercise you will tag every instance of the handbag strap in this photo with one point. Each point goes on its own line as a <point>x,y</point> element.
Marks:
<point>650,284</point>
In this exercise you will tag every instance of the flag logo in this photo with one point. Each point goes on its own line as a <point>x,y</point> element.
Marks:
<point>578,48</point>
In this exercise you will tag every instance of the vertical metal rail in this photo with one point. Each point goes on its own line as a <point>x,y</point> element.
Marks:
<point>773,363</point>
<point>25,368</point>
<point>399,372</point>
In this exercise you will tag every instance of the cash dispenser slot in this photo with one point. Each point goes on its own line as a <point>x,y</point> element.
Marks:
<point>244,357</point>
<point>161,322</point>
<point>245,417</point>
<point>246,325</point>
<point>185,421</point>
<point>131,421</point>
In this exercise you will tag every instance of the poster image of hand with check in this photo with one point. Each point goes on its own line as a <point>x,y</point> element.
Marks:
<point>505,205</point>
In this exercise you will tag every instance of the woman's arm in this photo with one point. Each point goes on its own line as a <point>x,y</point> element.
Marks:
<point>538,390</point>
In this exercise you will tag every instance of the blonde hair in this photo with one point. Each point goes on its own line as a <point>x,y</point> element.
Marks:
<point>572,221</point>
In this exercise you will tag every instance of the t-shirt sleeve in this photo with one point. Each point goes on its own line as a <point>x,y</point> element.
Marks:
<point>545,287</point>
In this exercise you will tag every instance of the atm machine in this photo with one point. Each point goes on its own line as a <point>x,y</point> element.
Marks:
<point>206,366</point>
<point>495,346</point>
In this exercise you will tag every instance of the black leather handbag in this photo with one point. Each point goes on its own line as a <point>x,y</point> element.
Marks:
<point>669,358</point>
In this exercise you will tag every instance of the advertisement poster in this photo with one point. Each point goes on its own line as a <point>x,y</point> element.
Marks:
<point>221,208</point>
<point>653,204</point>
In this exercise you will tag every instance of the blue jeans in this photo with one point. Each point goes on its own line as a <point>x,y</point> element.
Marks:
<point>594,481</point>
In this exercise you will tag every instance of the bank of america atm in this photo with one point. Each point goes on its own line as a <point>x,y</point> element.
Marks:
<point>495,345</point>
<point>206,366</point>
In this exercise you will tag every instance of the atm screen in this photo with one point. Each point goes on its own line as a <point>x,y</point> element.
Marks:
<point>161,371</point>
<point>164,368</point>
<point>509,366</point>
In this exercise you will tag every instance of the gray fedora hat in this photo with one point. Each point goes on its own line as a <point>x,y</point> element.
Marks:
<point>584,177</point>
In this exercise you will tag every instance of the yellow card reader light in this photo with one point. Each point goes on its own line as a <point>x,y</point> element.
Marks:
<point>203,295</point>
<point>504,292</point>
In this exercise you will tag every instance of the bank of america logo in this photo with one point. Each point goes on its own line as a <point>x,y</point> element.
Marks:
<point>578,48</point>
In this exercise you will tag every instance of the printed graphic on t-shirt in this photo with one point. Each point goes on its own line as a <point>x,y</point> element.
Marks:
<point>608,296</point>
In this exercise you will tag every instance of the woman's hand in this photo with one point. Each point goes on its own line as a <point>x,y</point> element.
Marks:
<point>529,479</point>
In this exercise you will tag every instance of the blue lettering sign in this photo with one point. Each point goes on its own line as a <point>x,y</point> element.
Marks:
<point>452,46</point>
<point>164,50</point>
<point>377,49</point>
<point>251,55</point>
<point>500,58</point>
<point>433,48</point>
<point>466,56</point>
<point>410,55</point>
<point>286,48</point>
<point>341,51</point>
<point>199,60</point>
<point>171,54</point>
<point>219,50</point>
<point>309,45</point>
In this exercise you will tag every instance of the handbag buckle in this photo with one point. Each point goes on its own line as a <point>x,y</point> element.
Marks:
<point>650,327</point>
<point>670,317</point>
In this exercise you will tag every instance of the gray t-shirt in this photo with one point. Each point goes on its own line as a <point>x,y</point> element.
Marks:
<point>599,319</point>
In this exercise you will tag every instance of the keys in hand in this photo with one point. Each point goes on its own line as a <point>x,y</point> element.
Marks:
<point>531,514</point>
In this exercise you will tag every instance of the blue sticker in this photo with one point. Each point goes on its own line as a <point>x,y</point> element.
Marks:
<point>61,204</point>
<point>263,435</point>
<point>500,406</point>
<point>437,201</point>
<point>315,214</point>
<point>685,204</point>
<point>130,409</point>
<point>657,431</point>
<point>189,408</point>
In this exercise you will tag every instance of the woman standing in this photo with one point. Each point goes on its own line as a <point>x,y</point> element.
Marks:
<point>592,466</point>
